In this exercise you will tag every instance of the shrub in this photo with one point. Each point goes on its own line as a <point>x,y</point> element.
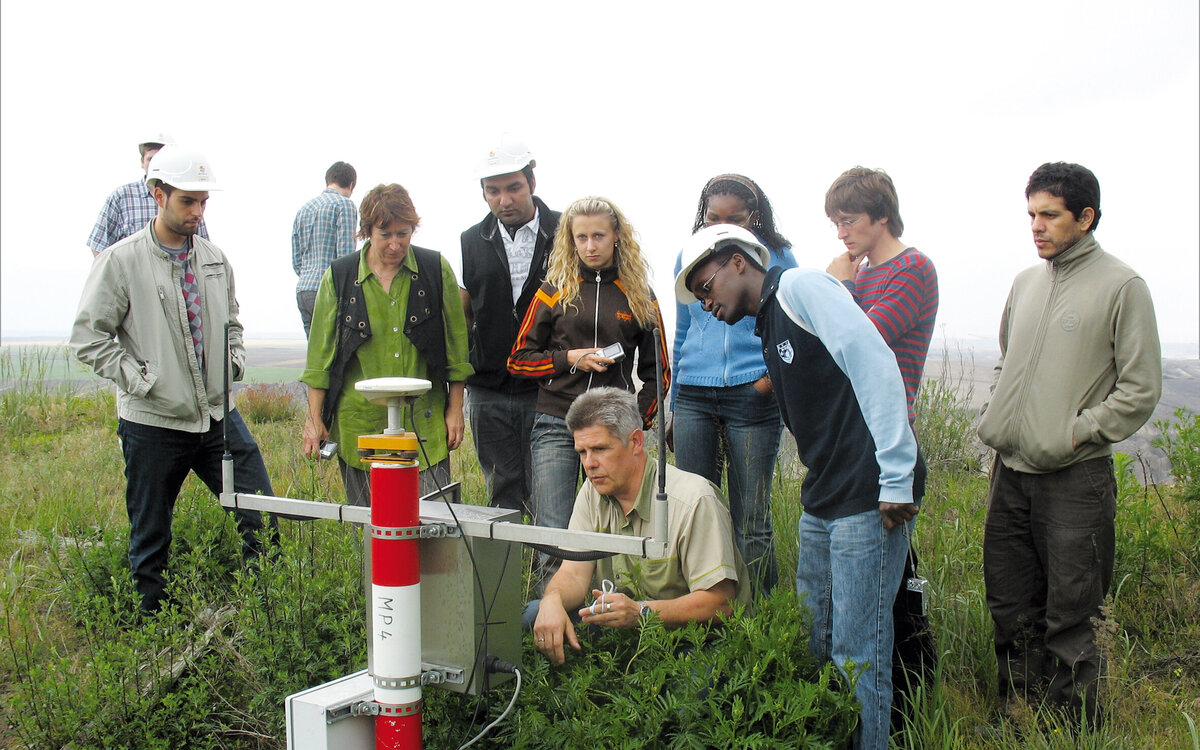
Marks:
<point>1180,442</point>
<point>749,684</point>
<point>266,403</point>
<point>946,421</point>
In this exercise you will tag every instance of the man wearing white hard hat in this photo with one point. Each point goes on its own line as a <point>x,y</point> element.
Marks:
<point>130,207</point>
<point>152,319</point>
<point>842,396</point>
<point>503,264</point>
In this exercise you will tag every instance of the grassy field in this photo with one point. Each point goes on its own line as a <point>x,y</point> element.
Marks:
<point>79,669</point>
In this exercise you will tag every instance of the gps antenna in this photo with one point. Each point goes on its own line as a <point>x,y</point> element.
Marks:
<point>226,457</point>
<point>660,501</point>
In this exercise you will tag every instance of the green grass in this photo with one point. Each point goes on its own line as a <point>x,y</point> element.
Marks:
<point>78,669</point>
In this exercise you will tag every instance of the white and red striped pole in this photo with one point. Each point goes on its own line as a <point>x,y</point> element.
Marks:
<point>396,605</point>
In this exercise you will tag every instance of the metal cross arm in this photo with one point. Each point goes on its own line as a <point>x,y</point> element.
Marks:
<point>469,520</point>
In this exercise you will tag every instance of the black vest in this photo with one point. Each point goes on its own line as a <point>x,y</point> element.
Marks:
<point>422,324</point>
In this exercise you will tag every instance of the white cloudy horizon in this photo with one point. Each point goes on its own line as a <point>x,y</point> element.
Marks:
<point>641,103</point>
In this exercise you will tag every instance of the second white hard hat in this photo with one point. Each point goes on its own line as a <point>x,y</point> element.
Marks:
<point>510,155</point>
<point>161,137</point>
<point>182,168</point>
<point>707,242</point>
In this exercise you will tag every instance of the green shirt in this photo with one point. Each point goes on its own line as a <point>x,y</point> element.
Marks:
<point>387,353</point>
<point>700,548</point>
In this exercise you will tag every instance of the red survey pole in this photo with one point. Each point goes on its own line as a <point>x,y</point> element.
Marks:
<point>396,605</point>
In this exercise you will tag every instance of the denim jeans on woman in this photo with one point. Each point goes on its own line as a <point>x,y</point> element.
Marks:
<point>847,575</point>
<point>736,429</point>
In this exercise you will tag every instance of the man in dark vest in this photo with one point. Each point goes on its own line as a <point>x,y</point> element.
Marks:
<point>503,262</point>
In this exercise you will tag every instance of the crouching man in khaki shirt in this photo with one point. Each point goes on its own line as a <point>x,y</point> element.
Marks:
<point>702,574</point>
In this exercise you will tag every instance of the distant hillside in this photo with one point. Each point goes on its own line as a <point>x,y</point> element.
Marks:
<point>972,371</point>
<point>969,369</point>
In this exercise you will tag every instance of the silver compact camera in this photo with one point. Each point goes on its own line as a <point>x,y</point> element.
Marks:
<point>328,449</point>
<point>612,351</point>
<point>920,588</point>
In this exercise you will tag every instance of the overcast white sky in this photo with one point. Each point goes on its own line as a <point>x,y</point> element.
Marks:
<point>639,101</point>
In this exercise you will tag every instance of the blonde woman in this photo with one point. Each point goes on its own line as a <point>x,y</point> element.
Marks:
<point>596,295</point>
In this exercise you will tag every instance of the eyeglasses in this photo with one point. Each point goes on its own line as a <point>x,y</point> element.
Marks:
<point>706,287</point>
<point>846,223</point>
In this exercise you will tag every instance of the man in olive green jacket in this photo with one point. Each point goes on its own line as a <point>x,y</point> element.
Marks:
<point>151,319</point>
<point>1080,369</point>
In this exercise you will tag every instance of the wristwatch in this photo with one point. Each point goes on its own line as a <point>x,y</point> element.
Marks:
<point>645,611</point>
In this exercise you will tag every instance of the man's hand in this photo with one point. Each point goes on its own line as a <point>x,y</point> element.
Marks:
<point>616,611</point>
<point>553,628</point>
<point>764,385</point>
<point>844,267</point>
<point>897,514</point>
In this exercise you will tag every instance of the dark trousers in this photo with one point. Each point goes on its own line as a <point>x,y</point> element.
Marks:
<point>157,460</point>
<point>501,424</point>
<point>914,652</point>
<point>1048,550</point>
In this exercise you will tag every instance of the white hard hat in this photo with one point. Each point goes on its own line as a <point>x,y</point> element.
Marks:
<point>707,242</point>
<point>161,137</point>
<point>510,155</point>
<point>181,168</point>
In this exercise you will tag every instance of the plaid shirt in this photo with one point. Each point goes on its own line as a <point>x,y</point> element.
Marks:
<point>129,209</point>
<point>322,232</point>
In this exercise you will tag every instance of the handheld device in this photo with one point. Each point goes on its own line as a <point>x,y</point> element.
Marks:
<point>613,352</point>
<point>328,449</point>
<point>920,587</point>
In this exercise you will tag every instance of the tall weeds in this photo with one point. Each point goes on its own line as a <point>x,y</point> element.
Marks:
<point>79,669</point>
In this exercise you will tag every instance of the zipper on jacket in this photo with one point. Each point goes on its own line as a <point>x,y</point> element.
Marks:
<point>1039,337</point>
<point>725,355</point>
<point>595,326</point>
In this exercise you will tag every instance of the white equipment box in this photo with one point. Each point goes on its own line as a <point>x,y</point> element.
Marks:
<point>319,718</point>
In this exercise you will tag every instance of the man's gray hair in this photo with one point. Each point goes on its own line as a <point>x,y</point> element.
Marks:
<point>612,408</point>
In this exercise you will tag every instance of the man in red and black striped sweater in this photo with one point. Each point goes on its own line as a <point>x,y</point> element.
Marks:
<point>896,285</point>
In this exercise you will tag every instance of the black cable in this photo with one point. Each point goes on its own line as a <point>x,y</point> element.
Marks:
<point>566,554</point>
<point>487,611</point>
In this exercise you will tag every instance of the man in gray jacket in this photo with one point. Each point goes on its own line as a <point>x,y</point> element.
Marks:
<point>152,320</point>
<point>1080,369</point>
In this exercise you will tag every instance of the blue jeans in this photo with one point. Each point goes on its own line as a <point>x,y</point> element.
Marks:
<point>305,301</point>
<point>555,479</point>
<point>848,573</point>
<point>736,429</point>
<point>501,424</point>
<point>157,460</point>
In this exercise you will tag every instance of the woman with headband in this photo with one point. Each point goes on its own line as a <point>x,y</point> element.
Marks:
<point>724,415</point>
